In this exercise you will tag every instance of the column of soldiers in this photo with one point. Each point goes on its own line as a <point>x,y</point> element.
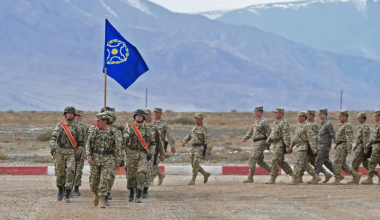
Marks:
<point>108,145</point>
<point>312,146</point>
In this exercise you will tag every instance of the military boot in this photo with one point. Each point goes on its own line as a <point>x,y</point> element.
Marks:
<point>76,191</point>
<point>67,195</point>
<point>249,180</point>
<point>131,194</point>
<point>145,193</point>
<point>103,199</point>
<point>109,196</point>
<point>106,203</point>
<point>368,181</point>
<point>272,180</point>
<point>161,177</point>
<point>192,181</point>
<point>294,181</point>
<point>337,181</point>
<point>96,199</point>
<point>291,173</point>
<point>327,176</point>
<point>299,179</point>
<point>206,176</point>
<point>315,179</point>
<point>138,196</point>
<point>356,176</point>
<point>353,181</point>
<point>341,177</point>
<point>60,193</point>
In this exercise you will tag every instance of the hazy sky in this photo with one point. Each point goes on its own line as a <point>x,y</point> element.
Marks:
<point>188,6</point>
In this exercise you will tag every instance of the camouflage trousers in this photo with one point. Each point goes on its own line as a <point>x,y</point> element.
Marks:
<point>64,169</point>
<point>323,158</point>
<point>80,165</point>
<point>312,160</point>
<point>302,163</point>
<point>278,160</point>
<point>340,161</point>
<point>150,172</point>
<point>101,171</point>
<point>257,157</point>
<point>196,157</point>
<point>374,161</point>
<point>358,159</point>
<point>137,169</point>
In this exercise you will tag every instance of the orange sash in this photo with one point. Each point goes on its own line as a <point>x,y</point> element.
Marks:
<point>137,132</point>
<point>69,135</point>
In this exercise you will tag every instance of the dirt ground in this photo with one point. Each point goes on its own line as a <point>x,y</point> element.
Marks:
<point>224,197</point>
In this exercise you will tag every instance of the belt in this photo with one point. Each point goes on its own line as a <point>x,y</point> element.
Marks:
<point>139,149</point>
<point>104,152</point>
<point>376,142</point>
<point>65,146</point>
<point>339,143</point>
<point>259,139</point>
<point>276,140</point>
<point>197,144</point>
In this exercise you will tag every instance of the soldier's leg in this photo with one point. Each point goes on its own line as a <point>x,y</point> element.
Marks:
<point>107,174</point>
<point>276,159</point>
<point>70,166</point>
<point>262,163</point>
<point>78,176</point>
<point>252,165</point>
<point>338,162</point>
<point>285,166</point>
<point>60,171</point>
<point>345,167</point>
<point>94,182</point>
<point>131,171</point>
<point>319,160</point>
<point>358,158</point>
<point>196,162</point>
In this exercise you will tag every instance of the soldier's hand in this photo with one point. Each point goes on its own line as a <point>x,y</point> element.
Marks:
<point>315,152</point>
<point>53,157</point>
<point>90,160</point>
<point>117,166</point>
<point>367,145</point>
<point>162,158</point>
<point>268,142</point>
<point>365,152</point>
<point>208,152</point>
<point>242,141</point>
<point>334,147</point>
<point>183,144</point>
<point>288,150</point>
<point>354,149</point>
<point>173,151</point>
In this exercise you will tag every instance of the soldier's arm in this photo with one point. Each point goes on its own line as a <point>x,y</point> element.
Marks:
<point>170,136</point>
<point>330,129</point>
<point>151,142</point>
<point>80,138</point>
<point>159,142</point>
<point>366,135</point>
<point>374,136</point>
<point>187,138</point>
<point>88,144</point>
<point>285,134</point>
<point>248,135</point>
<point>311,138</point>
<point>267,129</point>
<point>119,153</point>
<point>349,137</point>
<point>126,137</point>
<point>207,139</point>
<point>54,139</point>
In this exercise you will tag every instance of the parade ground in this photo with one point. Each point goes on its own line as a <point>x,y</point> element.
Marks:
<point>223,197</point>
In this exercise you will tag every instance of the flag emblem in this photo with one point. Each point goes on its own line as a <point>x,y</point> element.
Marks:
<point>117,52</point>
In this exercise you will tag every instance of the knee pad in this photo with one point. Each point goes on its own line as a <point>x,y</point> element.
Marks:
<point>69,175</point>
<point>131,183</point>
<point>141,177</point>
<point>60,180</point>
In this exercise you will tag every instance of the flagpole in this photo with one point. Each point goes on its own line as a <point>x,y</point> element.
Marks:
<point>105,88</point>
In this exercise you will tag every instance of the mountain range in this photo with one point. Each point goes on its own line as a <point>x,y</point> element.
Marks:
<point>52,55</point>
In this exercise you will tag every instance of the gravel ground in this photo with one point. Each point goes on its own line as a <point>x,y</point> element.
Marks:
<point>224,197</point>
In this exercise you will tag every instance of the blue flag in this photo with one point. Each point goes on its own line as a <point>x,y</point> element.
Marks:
<point>123,61</point>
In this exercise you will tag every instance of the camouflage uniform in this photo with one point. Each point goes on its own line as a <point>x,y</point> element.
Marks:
<point>325,135</point>
<point>166,133</point>
<point>199,136</point>
<point>304,136</point>
<point>260,131</point>
<point>104,148</point>
<point>278,137</point>
<point>362,138</point>
<point>375,143</point>
<point>344,138</point>
<point>80,153</point>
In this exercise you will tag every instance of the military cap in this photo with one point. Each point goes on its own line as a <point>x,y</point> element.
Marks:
<point>198,115</point>
<point>377,112</point>
<point>103,115</point>
<point>259,108</point>
<point>158,109</point>
<point>107,109</point>
<point>79,112</point>
<point>279,110</point>
<point>147,111</point>
<point>343,112</point>
<point>310,112</point>
<point>111,116</point>
<point>303,113</point>
<point>362,115</point>
<point>71,109</point>
<point>323,111</point>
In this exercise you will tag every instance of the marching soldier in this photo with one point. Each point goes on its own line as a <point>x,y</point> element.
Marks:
<point>343,138</point>
<point>280,140</point>
<point>159,149</point>
<point>66,139</point>
<point>362,138</point>
<point>103,149</point>
<point>260,131</point>
<point>311,157</point>
<point>200,143</point>
<point>166,133</point>
<point>304,136</point>
<point>115,124</point>
<point>139,141</point>
<point>326,134</point>
<point>80,153</point>
<point>375,157</point>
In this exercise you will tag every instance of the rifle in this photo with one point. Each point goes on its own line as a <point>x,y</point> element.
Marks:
<point>166,145</point>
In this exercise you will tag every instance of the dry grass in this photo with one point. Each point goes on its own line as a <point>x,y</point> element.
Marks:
<point>182,121</point>
<point>3,156</point>
<point>240,157</point>
<point>45,136</point>
<point>42,159</point>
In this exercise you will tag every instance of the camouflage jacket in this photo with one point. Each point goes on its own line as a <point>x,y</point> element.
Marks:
<point>344,136</point>
<point>104,145</point>
<point>165,131</point>
<point>157,137</point>
<point>199,135</point>
<point>60,142</point>
<point>314,127</point>
<point>376,136</point>
<point>280,130</point>
<point>131,141</point>
<point>303,136</point>
<point>362,136</point>
<point>85,129</point>
<point>118,126</point>
<point>260,130</point>
<point>325,135</point>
